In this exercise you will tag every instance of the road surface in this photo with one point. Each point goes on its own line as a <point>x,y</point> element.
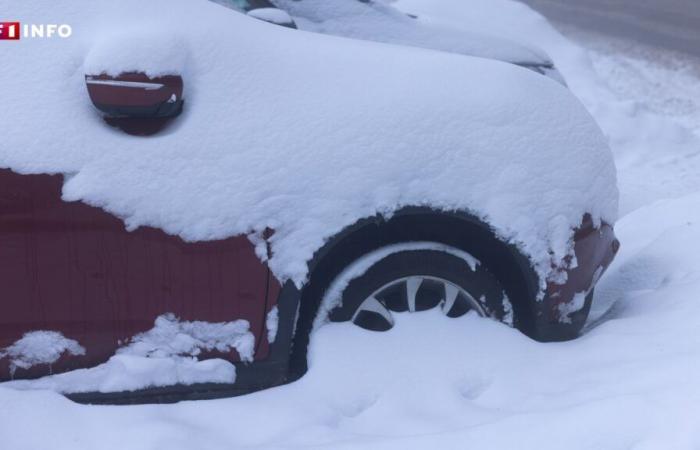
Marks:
<point>669,24</point>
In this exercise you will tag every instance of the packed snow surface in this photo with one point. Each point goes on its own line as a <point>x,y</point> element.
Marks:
<point>39,348</point>
<point>299,132</point>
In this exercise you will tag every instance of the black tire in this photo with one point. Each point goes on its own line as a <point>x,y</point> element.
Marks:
<point>480,284</point>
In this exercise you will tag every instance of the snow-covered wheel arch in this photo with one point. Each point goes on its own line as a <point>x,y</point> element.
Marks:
<point>461,232</point>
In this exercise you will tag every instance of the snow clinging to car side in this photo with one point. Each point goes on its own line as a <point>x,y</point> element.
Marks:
<point>173,337</point>
<point>38,348</point>
<point>272,323</point>
<point>165,355</point>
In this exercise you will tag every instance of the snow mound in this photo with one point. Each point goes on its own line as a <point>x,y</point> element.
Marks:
<point>39,347</point>
<point>302,133</point>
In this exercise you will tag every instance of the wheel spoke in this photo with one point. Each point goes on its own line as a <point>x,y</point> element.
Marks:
<point>451,293</point>
<point>373,315</point>
<point>412,286</point>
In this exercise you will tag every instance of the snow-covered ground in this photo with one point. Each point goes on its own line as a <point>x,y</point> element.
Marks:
<point>629,382</point>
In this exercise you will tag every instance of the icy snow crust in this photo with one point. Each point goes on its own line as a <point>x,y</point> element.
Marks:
<point>299,132</point>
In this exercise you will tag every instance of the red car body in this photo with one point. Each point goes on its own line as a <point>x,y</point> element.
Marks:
<point>73,268</point>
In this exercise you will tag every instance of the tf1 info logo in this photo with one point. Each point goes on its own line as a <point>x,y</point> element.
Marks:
<point>12,31</point>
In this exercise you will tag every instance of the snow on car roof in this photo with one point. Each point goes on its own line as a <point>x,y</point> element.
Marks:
<point>379,21</point>
<point>299,132</point>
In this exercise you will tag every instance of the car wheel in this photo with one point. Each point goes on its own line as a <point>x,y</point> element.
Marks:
<point>419,280</point>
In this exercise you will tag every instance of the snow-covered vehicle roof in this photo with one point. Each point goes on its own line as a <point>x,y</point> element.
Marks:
<point>379,21</point>
<point>382,22</point>
<point>299,132</point>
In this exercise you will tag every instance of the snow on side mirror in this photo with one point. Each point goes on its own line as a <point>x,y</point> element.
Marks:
<point>273,15</point>
<point>136,103</point>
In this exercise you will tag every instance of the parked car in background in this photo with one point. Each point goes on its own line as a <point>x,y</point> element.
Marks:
<point>377,20</point>
<point>303,182</point>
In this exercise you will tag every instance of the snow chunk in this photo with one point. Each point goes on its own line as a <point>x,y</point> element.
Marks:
<point>575,305</point>
<point>271,323</point>
<point>40,347</point>
<point>172,337</point>
<point>508,317</point>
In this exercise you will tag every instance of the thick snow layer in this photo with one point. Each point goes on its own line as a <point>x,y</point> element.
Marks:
<point>645,100</point>
<point>300,132</point>
<point>39,347</point>
<point>157,53</point>
<point>379,21</point>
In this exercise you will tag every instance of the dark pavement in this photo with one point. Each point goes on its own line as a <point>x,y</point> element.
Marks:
<point>669,24</point>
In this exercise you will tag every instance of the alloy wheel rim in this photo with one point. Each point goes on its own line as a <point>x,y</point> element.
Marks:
<point>412,294</point>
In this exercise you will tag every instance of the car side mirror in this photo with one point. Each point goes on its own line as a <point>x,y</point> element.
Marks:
<point>136,103</point>
<point>273,15</point>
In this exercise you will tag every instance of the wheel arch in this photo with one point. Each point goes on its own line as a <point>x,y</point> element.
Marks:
<point>454,228</point>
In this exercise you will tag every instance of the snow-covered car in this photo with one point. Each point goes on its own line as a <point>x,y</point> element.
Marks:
<point>377,20</point>
<point>308,179</point>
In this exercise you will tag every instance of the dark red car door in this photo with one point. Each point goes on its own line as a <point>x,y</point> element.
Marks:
<point>73,268</point>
